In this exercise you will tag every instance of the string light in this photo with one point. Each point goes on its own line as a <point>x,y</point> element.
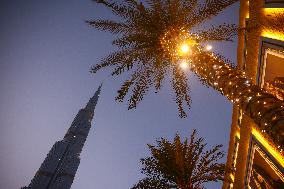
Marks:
<point>179,44</point>
<point>185,48</point>
<point>184,64</point>
<point>208,47</point>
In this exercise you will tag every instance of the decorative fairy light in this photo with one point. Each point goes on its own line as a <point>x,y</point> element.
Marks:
<point>184,65</point>
<point>179,44</point>
<point>259,105</point>
<point>208,47</point>
<point>185,48</point>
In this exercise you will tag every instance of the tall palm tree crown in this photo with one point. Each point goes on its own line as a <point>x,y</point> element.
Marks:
<point>181,164</point>
<point>150,39</point>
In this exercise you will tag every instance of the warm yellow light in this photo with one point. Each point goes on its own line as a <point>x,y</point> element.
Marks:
<point>273,11</point>
<point>185,48</point>
<point>247,14</point>
<point>232,177</point>
<point>184,64</point>
<point>238,135</point>
<point>208,47</point>
<point>273,35</point>
<point>268,147</point>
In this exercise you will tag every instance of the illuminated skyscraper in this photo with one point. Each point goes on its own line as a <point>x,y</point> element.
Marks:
<point>59,167</point>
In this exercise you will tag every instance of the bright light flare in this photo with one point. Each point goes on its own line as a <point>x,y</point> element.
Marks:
<point>208,47</point>
<point>184,64</point>
<point>179,44</point>
<point>185,48</point>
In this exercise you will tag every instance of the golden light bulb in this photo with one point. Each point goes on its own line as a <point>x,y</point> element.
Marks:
<point>208,47</point>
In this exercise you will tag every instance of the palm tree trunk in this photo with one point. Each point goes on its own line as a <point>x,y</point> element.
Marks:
<point>263,108</point>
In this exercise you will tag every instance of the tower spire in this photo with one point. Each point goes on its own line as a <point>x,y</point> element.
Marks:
<point>59,167</point>
<point>93,101</point>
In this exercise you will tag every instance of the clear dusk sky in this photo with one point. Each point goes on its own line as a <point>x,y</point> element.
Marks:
<point>46,51</point>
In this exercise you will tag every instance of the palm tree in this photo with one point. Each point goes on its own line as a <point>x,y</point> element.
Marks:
<point>181,165</point>
<point>154,38</point>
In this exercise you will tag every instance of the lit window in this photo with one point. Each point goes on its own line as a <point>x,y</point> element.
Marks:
<point>271,67</point>
<point>273,3</point>
<point>263,171</point>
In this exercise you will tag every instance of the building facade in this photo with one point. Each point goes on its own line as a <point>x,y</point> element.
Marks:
<point>59,167</point>
<point>254,160</point>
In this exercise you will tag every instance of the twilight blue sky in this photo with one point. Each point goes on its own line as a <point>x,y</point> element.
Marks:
<point>46,51</point>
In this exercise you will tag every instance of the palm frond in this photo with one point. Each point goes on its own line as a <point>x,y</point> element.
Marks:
<point>141,88</point>
<point>124,89</point>
<point>223,32</point>
<point>148,183</point>
<point>182,164</point>
<point>132,3</point>
<point>136,40</point>
<point>115,58</point>
<point>208,9</point>
<point>159,77</point>
<point>128,64</point>
<point>140,32</point>
<point>118,9</point>
<point>108,25</point>
<point>180,86</point>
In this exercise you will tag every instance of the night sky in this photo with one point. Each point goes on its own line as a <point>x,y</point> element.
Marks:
<point>46,51</point>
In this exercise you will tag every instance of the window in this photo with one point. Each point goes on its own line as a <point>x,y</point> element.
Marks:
<point>273,3</point>
<point>271,67</point>
<point>262,169</point>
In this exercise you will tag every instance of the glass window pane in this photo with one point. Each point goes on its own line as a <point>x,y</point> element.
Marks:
<point>273,73</point>
<point>263,173</point>
<point>271,67</point>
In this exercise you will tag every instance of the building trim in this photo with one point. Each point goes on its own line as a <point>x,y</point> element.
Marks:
<point>266,44</point>
<point>255,144</point>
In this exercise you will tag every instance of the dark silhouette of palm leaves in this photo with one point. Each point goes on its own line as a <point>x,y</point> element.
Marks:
<point>181,165</point>
<point>140,28</point>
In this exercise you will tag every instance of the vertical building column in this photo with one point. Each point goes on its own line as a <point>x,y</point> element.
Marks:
<point>246,129</point>
<point>230,154</point>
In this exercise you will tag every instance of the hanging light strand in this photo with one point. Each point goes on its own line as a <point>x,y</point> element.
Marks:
<point>215,71</point>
